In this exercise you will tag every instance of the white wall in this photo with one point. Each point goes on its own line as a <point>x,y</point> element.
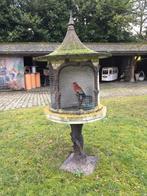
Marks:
<point>83,75</point>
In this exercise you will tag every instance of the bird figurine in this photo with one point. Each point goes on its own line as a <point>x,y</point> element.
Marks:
<point>79,92</point>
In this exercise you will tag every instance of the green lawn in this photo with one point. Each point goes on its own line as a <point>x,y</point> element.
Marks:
<point>32,149</point>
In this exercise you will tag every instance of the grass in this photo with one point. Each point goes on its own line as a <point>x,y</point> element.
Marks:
<point>33,148</point>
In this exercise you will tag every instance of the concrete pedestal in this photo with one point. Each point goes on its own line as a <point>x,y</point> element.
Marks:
<point>78,161</point>
<point>81,164</point>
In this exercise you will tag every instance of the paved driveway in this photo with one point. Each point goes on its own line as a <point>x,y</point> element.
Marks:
<point>120,89</point>
<point>40,97</point>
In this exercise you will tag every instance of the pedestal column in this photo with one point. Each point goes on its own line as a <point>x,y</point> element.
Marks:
<point>77,138</point>
<point>78,161</point>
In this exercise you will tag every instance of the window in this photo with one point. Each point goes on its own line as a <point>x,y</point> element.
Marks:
<point>105,71</point>
<point>110,71</point>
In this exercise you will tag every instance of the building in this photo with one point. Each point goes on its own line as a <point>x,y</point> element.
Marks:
<point>16,59</point>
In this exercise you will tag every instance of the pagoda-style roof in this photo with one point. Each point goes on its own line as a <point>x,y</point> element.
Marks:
<point>72,48</point>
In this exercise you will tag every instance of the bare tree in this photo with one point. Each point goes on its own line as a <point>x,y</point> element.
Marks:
<point>139,12</point>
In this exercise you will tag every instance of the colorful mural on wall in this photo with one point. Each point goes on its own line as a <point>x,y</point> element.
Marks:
<point>12,73</point>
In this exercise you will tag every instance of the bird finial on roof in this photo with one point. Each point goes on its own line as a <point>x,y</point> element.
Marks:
<point>71,21</point>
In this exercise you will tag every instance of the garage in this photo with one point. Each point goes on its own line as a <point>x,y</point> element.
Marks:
<point>129,60</point>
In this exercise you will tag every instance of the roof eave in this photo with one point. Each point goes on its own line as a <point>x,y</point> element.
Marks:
<point>77,57</point>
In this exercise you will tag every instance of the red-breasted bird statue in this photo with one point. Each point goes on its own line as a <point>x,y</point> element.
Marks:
<point>79,92</point>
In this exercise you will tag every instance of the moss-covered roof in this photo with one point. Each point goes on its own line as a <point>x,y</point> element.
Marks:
<point>72,47</point>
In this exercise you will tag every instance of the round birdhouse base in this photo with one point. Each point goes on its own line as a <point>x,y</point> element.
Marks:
<point>76,118</point>
<point>79,164</point>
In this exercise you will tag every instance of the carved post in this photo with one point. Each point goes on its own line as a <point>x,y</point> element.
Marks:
<point>78,161</point>
<point>77,139</point>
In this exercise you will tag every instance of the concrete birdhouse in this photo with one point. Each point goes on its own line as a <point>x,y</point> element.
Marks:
<point>75,93</point>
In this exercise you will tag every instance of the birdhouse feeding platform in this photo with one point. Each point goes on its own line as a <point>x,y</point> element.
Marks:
<point>75,93</point>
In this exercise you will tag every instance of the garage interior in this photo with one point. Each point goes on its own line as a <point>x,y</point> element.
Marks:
<point>125,65</point>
